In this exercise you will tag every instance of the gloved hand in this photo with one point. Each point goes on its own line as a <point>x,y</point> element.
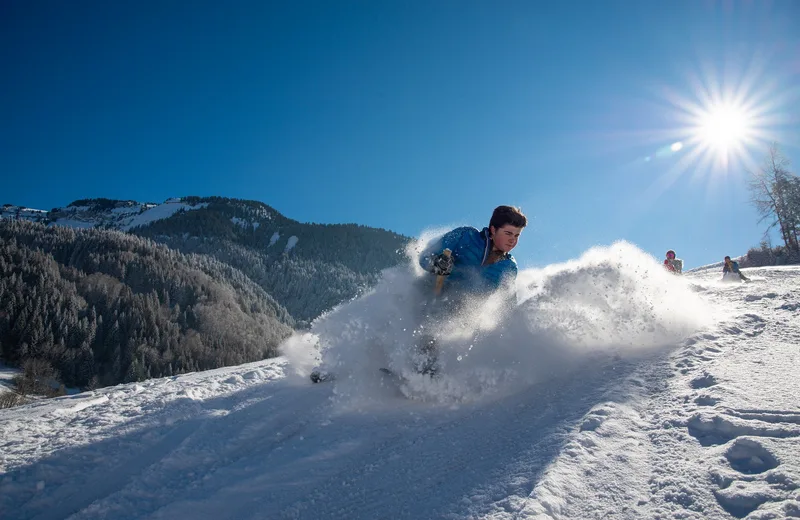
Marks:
<point>442,264</point>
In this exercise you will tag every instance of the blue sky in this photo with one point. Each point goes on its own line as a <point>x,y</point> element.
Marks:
<point>406,115</point>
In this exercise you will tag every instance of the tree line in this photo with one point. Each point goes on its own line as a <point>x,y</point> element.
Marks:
<point>103,307</point>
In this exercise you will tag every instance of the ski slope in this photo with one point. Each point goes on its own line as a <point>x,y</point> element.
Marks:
<point>612,390</point>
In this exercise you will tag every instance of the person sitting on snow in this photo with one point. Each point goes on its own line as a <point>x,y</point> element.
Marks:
<point>673,264</point>
<point>732,266</point>
<point>472,262</point>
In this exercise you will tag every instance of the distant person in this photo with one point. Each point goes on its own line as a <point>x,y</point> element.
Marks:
<point>732,267</point>
<point>672,263</point>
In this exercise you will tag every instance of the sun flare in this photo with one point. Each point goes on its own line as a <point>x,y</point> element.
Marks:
<point>724,127</point>
<point>724,121</point>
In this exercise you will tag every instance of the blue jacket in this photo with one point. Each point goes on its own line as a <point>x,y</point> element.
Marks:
<point>734,267</point>
<point>470,248</point>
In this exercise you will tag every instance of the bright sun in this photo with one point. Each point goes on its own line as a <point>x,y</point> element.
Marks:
<point>723,127</point>
<point>724,132</point>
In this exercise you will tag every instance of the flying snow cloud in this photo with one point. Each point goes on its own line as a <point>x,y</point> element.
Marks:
<point>614,300</point>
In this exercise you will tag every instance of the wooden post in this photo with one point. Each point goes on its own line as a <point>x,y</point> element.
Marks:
<point>440,278</point>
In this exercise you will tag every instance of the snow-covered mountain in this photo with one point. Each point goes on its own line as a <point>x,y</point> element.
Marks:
<point>612,390</point>
<point>246,222</point>
<point>9,211</point>
<point>122,215</point>
<point>308,268</point>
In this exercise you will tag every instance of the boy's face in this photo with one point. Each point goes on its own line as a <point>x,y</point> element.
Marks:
<point>505,237</point>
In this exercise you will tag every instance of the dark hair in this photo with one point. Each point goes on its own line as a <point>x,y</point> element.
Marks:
<point>503,215</point>
<point>670,251</point>
<point>727,258</point>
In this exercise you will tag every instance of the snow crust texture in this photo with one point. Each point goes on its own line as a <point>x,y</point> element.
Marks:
<point>611,389</point>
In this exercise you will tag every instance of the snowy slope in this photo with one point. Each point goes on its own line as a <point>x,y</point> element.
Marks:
<point>613,390</point>
<point>125,216</point>
<point>9,211</point>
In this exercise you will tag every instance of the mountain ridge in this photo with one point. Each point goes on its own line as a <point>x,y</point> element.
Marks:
<point>308,267</point>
